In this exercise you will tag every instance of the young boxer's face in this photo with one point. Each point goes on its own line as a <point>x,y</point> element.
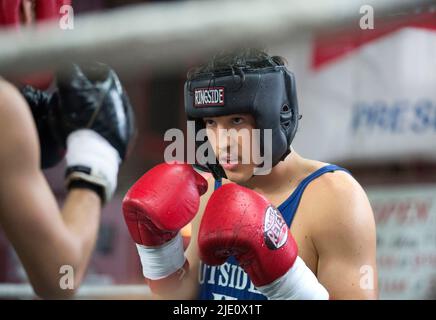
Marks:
<point>231,139</point>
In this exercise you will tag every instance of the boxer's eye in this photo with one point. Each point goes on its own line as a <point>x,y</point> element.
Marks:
<point>209,122</point>
<point>238,120</point>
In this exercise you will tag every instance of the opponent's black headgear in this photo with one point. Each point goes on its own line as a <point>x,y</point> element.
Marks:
<point>266,92</point>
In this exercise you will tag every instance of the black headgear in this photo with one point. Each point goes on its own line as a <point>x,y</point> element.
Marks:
<point>267,93</point>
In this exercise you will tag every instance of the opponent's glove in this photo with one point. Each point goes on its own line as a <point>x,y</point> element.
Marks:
<point>95,118</point>
<point>42,104</point>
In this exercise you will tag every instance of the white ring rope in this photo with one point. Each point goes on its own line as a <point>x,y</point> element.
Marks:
<point>166,34</point>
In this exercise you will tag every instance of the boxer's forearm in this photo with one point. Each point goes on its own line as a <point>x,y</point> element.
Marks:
<point>52,243</point>
<point>69,252</point>
<point>44,240</point>
<point>81,214</point>
<point>69,255</point>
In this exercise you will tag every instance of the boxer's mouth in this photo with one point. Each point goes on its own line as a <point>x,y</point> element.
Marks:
<point>228,162</point>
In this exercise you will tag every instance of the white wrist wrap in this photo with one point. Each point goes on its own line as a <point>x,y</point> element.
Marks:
<point>86,148</point>
<point>299,283</point>
<point>160,262</point>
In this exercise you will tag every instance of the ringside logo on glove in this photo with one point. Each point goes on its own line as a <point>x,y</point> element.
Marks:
<point>275,229</point>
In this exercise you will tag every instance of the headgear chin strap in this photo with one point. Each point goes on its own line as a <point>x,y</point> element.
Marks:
<point>268,94</point>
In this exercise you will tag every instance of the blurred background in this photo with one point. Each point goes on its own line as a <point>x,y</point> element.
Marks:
<point>368,100</point>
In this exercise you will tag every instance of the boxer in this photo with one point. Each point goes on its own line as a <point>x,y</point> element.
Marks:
<point>87,120</point>
<point>302,230</point>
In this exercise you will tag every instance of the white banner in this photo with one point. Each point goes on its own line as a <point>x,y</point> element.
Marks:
<point>406,241</point>
<point>376,102</point>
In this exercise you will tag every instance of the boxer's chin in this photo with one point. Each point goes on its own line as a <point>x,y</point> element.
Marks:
<point>240,173</point>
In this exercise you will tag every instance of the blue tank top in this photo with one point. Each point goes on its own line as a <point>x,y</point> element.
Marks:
<point>229,281</point>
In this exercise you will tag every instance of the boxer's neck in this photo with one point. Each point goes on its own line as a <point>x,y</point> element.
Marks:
<point>284,173</point>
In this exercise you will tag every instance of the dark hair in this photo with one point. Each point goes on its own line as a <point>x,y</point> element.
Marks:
<point>237,59</point>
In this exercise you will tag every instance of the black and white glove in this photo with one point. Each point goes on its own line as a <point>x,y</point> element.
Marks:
<point>52,144</point>
<point>95,117</point>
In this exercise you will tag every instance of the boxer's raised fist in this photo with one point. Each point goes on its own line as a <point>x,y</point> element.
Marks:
<point>240,222</point>
<point>156,207</point>
<point>162,202</point>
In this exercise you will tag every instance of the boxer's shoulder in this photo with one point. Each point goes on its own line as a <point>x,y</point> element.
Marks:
<point>18,137</point>
<point>333,187</point>
<point>338,206</point>
<point>11,101</point>
<point>7,90</point>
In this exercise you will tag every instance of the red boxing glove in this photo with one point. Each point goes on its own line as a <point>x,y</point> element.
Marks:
<point>240,222</point>
<point>156,207</point>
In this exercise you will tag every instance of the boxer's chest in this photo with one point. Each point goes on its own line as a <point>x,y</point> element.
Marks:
<point>300,230</point>
<point>303,238</point>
